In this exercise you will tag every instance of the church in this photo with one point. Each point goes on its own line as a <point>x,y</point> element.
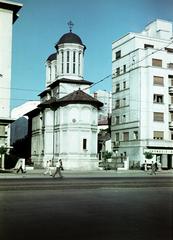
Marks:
<point>65,123</point>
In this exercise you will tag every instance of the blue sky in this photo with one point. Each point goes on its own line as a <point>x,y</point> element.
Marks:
<point>97,22</point>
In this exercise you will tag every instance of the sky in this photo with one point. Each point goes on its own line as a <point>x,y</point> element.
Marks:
<point>41,23</point>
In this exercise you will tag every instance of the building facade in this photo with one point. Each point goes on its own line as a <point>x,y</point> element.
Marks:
<point>8,15</point>
<point>64,125</point>
<point>142,75</point>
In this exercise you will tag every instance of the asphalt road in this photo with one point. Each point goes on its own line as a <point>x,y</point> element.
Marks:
<point>87,209</point>
<point>84,183</point>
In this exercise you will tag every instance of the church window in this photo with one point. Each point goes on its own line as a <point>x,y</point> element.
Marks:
<point>62,64</point>
<point>84,144</point>
<point>74,61</point>
<point>68,59</point>
<point>79,59</point>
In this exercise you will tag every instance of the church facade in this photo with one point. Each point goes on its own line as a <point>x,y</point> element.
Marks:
<point>65,123</point>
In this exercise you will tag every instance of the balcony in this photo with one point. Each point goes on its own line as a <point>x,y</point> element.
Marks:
<point>171,90</point>
<point>171,125</point>
<point>171,107</point>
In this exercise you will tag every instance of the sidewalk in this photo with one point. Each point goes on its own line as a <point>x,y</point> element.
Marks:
<point>39,173</point>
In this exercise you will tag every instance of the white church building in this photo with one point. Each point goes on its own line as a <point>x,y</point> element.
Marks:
<point>65,123</point>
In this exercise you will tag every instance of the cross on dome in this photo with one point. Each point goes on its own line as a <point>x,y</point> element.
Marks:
<point>70,24</point>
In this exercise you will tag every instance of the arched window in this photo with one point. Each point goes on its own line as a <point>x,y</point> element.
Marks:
<point>68,61</point>
<point>74,62</point>
<point>62,62</point>
<point>79,59</point>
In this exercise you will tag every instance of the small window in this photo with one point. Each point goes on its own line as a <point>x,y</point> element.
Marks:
<point>158,135</point>
<point>124,68</point>
<point>148,46</point>
<point>135,135</point>
<point>117,137</point>
<point>118,71</point>
<point>124,85</point>
<point>118,55</point>
<point>156,62</point>
<point>84,144</point>
<point>157,98</point>
<point>170,65</point>
<point>157,80</point>
<point>171,117</point>
<point>169,50</point>
<point>158,116</point>
<point>117,104</point>
<point>117,120</point>
<point>125,136</point>
<point>117,87</point>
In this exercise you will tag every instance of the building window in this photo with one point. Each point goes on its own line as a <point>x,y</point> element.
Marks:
<point>79,59</point>
<point>148,46</point>
<point>156,62</point>
<point>62,62</point>
<point>124,68</point>
<point>118,55</point>
<point>123,102</point>
<point>158,135</point>
<point>117,120</point>
<point>171,117</point>
<point>84,144</point>
<point>125,136</point>
<point>171,79</point>
<point>117,104</point>
<point>124,85</point>
<point>117,137</point>
<point>157,98</point>
<point>135,135</point>
<point>117,87</point>
<point>74,61</point>
<point>157,80</point>
<point>171,99</point>
<point>169,50</point>
<point>170,65</point>
<point>118,71</point>
<point>171,136</point>
<point>158,116</point>
<point>68,61</point>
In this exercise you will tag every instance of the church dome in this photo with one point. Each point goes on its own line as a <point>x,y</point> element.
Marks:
<point>52,57</point>
<point>69,38</point>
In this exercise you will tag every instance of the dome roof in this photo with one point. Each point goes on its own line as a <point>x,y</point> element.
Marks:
<point>52,57</point>
<point>69,38</point>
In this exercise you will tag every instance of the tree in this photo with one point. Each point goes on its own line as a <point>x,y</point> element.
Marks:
<point>148,155</point>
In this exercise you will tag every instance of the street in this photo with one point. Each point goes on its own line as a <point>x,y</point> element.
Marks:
<point>87,209</point>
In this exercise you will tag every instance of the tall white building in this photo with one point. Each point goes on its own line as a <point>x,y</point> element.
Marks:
<point>142,116</point>
<point>65,123</point>
<point>8,15</point>
<point>106,98</point>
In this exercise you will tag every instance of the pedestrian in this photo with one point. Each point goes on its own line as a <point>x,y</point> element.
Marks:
<point>48,168</point>
<point>156,166</point>
<point>20,167</point>
<point>59,167</point>
<point>153,169</point>
<point>145,166</point>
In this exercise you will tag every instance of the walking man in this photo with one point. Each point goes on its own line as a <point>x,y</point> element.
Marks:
<point>153,169</point>
<point>58,168</point>
<point>19,167</point>
<point>48,169</point>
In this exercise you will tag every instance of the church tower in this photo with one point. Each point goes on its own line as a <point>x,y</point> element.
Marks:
<point>68,60</point>
<point>64,125</point>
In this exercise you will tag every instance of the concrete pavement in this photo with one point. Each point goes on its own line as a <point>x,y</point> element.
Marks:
<point>39,173</point>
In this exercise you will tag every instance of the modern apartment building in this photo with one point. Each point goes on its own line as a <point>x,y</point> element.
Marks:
<point>8,15</point>
<point>142,75</point>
